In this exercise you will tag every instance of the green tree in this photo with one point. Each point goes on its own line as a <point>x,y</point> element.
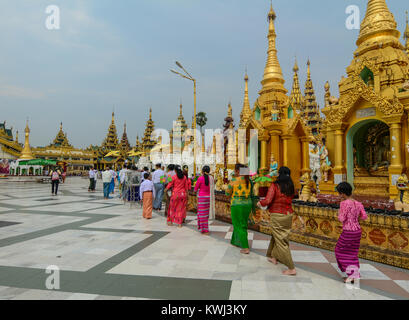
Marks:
<point>201,120</point>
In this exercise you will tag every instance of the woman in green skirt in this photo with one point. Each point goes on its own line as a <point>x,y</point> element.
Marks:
<point>240,190</point>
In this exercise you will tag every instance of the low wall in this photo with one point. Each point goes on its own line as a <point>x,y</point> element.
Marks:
<point>384,237</point>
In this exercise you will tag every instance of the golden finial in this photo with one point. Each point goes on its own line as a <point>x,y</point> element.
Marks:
<point>150,113</point>
<point>230,110</point>
<point>309,68</point>
<point>271,14</point>
<point>406,34</point>
<point>113,116</point>
<point>327,86</point>
<point>296,69</point>
<point>181,108</point>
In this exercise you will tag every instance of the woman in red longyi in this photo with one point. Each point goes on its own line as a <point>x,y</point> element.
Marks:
<point>178,200</point>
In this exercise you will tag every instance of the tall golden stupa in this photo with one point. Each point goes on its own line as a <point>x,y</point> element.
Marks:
<point>367,127</point>
<point>282,134</point>
<point>26,154</point>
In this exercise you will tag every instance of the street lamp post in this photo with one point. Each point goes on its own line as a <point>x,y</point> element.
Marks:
<point>189,77</point>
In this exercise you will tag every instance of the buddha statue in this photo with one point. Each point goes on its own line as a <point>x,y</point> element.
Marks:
<point>325,163</point>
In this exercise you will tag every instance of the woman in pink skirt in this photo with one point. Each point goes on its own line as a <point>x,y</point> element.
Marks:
<point>203,200</point>
<point>347,248</point>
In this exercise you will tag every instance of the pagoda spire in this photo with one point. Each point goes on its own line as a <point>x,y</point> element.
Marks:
<point>147,142</point>
<point>406,34</point>
<point>310,111</point>
<point>246,111</point>
<point>296,99</point>
<point>273,75</point>
<point>125,146</point>
<point>181,120</point>
<point>26,154</point>
<point>111,140</point>
<point>378,24</point>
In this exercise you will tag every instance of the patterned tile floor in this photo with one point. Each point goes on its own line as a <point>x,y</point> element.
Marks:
<point>105,250</point>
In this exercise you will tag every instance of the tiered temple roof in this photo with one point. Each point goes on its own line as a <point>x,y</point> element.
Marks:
<point>111,141</point>
<point>61,140</point>
<point>296,98</point>
<point>310,111</point>
<point>147,142</point>
<point>125,147</point>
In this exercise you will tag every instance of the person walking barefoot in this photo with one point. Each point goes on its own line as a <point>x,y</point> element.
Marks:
<point>279,202</point>
<point>347,248</point>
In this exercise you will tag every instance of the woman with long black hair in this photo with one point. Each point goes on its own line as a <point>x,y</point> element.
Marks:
<point>279,202</point>
<point>240,189</point>
<point>178,200</point>
<point>204,188</point>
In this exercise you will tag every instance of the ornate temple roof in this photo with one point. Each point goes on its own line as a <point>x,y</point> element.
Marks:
<point>61,139</point>
<point>147,142</point>
<point>124,146</point>
<point>6,133</point>
<point>246,112</point>
<point>111,140</point>
<point>296,98</point>
<point>310,110</point>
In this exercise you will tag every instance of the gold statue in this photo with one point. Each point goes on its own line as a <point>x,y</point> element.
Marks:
<point>307,185</point>
<point>273,167</point>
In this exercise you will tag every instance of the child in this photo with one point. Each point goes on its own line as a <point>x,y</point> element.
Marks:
<point>147,195</point>
<point>347,248</point>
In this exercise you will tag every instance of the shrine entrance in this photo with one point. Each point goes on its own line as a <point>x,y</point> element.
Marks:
<point>369,157</point>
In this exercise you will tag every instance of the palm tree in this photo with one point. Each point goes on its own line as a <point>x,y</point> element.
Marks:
<point>201,120</point>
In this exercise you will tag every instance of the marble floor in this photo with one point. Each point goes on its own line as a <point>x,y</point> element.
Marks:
<point>104,249</point>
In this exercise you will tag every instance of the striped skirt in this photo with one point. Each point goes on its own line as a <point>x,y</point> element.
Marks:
<point>346,253</point>
<point>203,208</point>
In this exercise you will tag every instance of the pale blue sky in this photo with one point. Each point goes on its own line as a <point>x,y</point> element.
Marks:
<point>119,53</point>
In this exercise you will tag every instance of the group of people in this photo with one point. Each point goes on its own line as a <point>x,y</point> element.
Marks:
<point>174,185</point>
<point>278,202</point>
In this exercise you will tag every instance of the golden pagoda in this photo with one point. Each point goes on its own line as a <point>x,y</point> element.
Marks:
<point>26,154</point>
<point>281,131</point>
<point>137,145</point>
<point>310,109</point>
<point>111,141</point>
<point>367,127</point>
<point>147,142</point>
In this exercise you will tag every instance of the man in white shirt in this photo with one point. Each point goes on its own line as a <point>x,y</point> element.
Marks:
<point>91,180</point>
<point>159,187</point>
<point>106,179</point>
